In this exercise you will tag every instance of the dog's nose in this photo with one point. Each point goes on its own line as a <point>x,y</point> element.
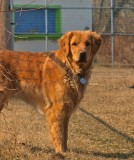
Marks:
<point>82,56</point>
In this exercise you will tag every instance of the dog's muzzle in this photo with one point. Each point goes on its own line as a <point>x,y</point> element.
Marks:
<point>82,57</point>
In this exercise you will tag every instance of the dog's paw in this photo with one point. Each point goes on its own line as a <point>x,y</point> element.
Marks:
<point>57,156</point>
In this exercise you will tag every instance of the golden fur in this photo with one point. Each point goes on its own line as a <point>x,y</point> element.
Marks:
<point>51,82</point>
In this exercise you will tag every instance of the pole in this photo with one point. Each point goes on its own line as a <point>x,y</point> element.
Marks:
<point>12,23</point>
<point>112,30</point>
<point>46,25</point>
<point>8,27</point>
<point>92,15</point>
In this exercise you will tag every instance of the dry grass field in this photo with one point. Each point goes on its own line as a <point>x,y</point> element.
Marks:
<point>101,129</point>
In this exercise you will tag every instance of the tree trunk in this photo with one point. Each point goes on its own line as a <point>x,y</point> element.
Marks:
<point>2,25</point>
<point>5,27</point>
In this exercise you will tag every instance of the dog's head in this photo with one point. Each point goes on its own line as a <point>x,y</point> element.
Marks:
<point>80,48</point>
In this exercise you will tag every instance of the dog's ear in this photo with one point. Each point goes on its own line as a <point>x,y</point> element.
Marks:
<point>96,42</point>
<point>64,42</point>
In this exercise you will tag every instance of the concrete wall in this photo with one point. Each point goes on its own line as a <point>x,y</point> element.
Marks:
<point>72,19</point>
<point>35,45</point>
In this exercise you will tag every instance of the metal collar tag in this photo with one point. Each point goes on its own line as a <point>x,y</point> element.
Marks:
<point>83,80</point>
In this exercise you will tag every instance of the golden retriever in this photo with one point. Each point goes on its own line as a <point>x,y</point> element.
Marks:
<point>52,82</point>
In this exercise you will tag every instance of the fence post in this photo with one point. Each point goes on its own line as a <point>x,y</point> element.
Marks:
<point>46,25</point>
<point>8,26</point>
<point>12,23</point>
<point>112,30</point>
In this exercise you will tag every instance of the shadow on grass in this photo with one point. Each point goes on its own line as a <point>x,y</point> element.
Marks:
<point>124,135</point>
<point>54,156</point>
<point>114,155</point>
<point>34,149</point>
<point>79,151</point>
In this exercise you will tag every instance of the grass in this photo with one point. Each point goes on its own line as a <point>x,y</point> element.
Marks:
<point>102,128</point>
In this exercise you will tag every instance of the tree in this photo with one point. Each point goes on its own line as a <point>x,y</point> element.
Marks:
<point>116,12</point>
<point>2,24</point>
<point>5,27</point>
<point>121,16</point>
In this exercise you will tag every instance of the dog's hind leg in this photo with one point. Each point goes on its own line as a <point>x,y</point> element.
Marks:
<point>2,100</point>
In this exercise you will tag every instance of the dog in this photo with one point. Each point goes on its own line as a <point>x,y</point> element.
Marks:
<point>53,82</point>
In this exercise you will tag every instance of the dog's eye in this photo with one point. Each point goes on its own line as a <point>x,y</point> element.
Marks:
<point>74,44</point>
<point>87,43</point>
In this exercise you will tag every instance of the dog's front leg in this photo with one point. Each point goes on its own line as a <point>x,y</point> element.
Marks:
<point>58,121</point>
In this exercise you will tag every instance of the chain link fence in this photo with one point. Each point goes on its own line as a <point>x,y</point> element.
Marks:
<point>114,19</point>
<point>38,24</point>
